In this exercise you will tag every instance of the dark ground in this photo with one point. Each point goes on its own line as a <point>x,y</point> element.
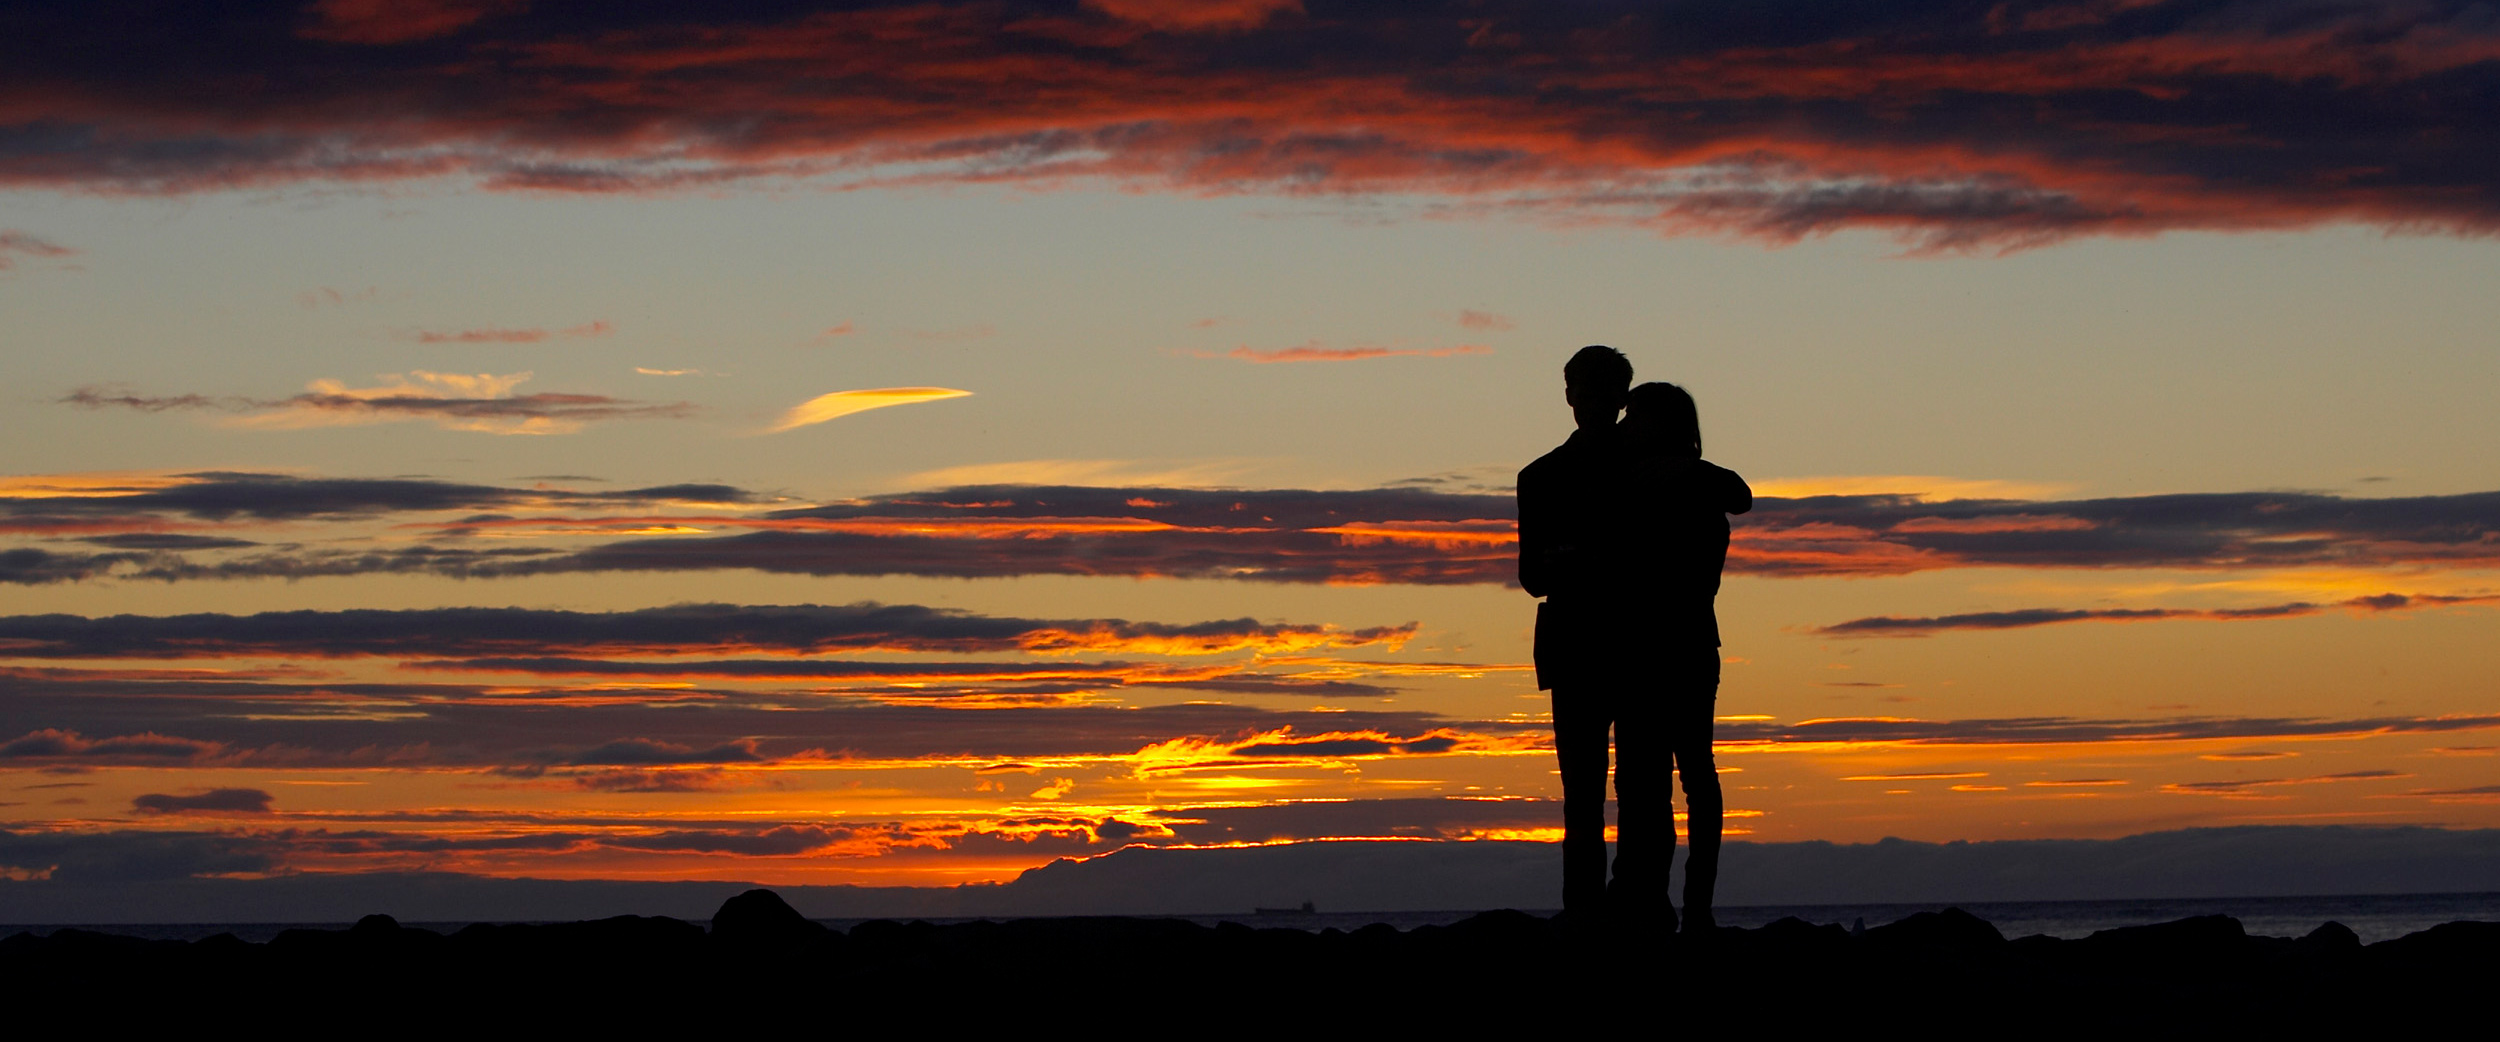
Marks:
<point>760,965</point>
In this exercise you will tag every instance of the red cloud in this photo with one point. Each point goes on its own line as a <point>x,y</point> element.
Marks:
<point>1196,15</point>
<point>397,21</point>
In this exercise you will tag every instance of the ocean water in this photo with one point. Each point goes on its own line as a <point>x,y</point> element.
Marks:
<point>2375,917</point>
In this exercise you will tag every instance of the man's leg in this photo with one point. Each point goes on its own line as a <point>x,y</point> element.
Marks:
<point>1580,725</point>
<point>1694,703</point>
<point>1644,814</point>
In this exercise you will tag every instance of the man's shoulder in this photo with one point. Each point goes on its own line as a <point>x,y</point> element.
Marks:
<point>1559,459</point>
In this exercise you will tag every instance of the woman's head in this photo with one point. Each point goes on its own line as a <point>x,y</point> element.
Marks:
<point>1664,418</point>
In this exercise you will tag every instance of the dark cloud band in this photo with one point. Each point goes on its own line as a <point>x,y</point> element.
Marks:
<point>686,629</point>
<point>1401,535</point>
<point>1957,125</point>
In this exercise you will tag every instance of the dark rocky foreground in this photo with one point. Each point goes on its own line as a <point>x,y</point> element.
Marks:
<point>761,964</point>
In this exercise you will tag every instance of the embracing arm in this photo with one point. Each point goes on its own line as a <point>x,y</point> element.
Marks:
<point>1734,496</point>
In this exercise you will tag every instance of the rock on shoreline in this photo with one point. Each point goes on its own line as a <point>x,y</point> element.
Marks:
<point>761,963</point>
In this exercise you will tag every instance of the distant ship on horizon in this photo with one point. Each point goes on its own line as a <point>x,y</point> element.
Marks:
<point>1307,909</point>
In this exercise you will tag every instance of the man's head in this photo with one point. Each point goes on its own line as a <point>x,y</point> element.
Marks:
<point>1595,381</point>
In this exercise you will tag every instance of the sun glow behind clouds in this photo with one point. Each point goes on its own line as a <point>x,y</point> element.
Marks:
<point>834,406</point>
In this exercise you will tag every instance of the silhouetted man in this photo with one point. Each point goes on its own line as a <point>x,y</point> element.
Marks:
<point>1571,525</point>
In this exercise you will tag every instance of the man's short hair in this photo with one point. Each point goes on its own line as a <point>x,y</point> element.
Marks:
<point>1601,371</point>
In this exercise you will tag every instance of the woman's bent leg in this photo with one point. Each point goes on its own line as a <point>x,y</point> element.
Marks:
<point>1705,809</point>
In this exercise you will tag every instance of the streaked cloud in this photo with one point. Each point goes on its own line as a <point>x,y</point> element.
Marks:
<point>1486,320</point>
<point>2242,789</point>
<point>1890,626</point>
<point>153,498</point>
<point>15,244</point>
<point>677,630</point>
<point>833,406</point>
<point>1148,474</point>
<point>1835,733</point>
<point>530,335</point>
<point>1315,352</point>
<point>481,402</point>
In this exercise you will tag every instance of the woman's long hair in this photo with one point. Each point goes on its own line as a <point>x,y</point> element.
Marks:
<point>1666,415</point>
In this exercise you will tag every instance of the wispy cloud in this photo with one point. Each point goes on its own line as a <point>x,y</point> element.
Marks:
<point>530,335</point>
<point>833,406</point>
<point>1314,352</point>
<point>1486,320</point>
<point>1144,474</point>
<point>481,402</point>
<point>1838,733</point>
<point>22,244</point>
<point>679,630</point>
<point>2241,788</point>
<point>1890,626</point>
<point>156,498</point>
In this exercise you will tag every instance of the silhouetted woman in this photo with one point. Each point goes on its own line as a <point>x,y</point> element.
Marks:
<point>1678,504</point>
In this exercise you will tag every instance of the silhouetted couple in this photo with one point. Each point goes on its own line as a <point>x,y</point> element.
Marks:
<point>1623,531</point>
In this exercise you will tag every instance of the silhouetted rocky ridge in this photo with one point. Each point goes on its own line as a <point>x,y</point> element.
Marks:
<point>760,962</point>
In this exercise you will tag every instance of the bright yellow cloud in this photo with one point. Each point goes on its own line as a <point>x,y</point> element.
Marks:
<point>1928,487</point>
<point>88,484</point>
<point>843,403</point>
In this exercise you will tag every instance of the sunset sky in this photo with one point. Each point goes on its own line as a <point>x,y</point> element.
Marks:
<point>905,444</point>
